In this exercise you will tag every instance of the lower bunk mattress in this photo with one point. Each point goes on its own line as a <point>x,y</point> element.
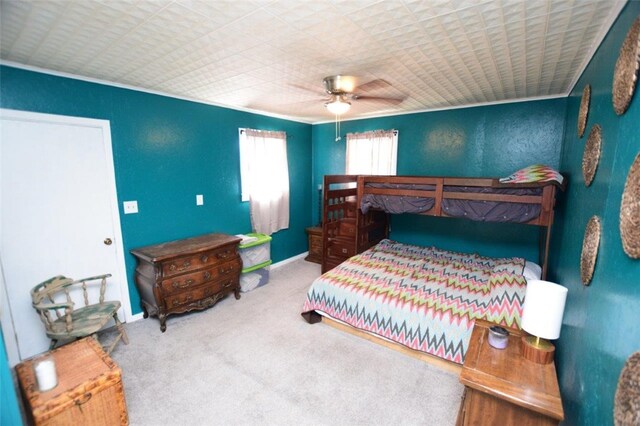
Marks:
<point>422,297</point>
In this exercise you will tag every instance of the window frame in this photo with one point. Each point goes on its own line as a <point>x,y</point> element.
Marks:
<point>394,153</point>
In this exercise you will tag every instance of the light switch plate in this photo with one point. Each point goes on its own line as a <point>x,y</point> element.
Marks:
<point>199,200</point>
<point>130,207</point>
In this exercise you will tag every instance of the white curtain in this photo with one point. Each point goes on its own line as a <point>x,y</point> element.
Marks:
<point>372,153</point>
<point>265,178</point>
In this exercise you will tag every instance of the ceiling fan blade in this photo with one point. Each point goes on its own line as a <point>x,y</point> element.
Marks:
<point>373,85</point>
<point>317,101</point>
<point>382,99</point>
<point>301,87</point>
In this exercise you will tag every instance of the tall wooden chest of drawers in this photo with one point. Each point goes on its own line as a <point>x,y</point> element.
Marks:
<point>185,275</point>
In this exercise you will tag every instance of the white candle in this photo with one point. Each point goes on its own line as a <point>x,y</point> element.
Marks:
<point>46,375</point>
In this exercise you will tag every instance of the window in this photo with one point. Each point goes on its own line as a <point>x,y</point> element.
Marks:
<point>264,175</point>
<point>372,153</point>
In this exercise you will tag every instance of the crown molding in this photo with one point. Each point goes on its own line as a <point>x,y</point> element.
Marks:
<point>142,89</point>
<point>480,104</point>
<point>602,33</point>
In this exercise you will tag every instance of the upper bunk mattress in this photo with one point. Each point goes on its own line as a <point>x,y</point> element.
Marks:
<point>422,297</point>
<point>484,211</point>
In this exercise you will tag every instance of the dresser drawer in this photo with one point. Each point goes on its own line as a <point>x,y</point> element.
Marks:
<point>347,227</point>
<point>180,283</point>
<point>201,260</point>
<point>341,248</point>
<point>315,244</point>
<point>188,297</point>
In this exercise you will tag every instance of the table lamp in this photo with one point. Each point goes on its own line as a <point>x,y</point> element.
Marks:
<point>542,318</point>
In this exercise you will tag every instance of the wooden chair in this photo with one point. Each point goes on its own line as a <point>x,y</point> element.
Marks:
<point>70,323</point>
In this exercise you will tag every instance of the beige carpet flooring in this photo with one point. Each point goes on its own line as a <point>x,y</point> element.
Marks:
<point>255,361</point>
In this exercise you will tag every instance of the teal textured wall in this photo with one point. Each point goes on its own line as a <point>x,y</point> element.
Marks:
<point>9,411</point>
<point>600,327</point>
<point>165,152</point>
<point>490,141</point>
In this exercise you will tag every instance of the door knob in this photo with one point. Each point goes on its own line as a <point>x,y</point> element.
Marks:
<point>107,241</point>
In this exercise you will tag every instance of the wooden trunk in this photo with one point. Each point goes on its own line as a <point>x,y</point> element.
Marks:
<point>186,275</point>
<point>89,390</point>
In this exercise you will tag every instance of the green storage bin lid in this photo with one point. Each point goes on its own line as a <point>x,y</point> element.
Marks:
<point>261,239</point>
<point>256,267</point>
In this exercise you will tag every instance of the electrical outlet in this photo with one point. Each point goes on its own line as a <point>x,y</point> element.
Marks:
<point>130,207</point>
<point>199,200</point>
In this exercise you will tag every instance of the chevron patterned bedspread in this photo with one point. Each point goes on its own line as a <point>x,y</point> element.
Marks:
<point>422,297</point>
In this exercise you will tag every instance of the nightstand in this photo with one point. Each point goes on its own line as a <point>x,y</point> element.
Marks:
<point>315,244</point>
<point>501,387</point>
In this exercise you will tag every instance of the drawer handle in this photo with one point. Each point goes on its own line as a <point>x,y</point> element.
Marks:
<point>344,250</point>
<point>177,302</point>
<point>223,255</point>
<point>204,258</point>
<point>207,275</point>
<point>227,284</point>
<point>224,271</point>
<point>184,266</point>
<point>187,283</point>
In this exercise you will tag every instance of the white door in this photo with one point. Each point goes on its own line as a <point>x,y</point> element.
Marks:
<point>58,213</point>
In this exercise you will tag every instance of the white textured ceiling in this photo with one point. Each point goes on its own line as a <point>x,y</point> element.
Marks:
<point>271,56</point>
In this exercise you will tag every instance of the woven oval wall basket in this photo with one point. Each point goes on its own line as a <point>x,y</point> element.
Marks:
<point>626,408</point>
<point>591,155</point>
<point>590,246</point>
<point>630,211</point>
<point>625,75</point>
<point>584,109</point>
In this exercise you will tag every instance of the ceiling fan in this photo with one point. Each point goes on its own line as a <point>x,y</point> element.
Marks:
<point>343,89</point>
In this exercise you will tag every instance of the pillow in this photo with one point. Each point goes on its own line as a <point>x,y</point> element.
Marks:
<point>535,173</point>
<point>532,271</point>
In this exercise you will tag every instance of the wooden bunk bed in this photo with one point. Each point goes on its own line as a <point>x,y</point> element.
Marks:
<point>422,301</point>
<point>348,231</point>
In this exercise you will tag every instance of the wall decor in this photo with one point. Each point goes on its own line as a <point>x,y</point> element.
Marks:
<point>626,407</point>
<point>590,246</point>
<point>584,110</point>
<point>630,211</point>
<point>591,154</point>
<point>625,75</point>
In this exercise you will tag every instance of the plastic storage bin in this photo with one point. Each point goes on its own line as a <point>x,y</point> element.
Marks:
<point>256,252</point>
<point>254,277</point>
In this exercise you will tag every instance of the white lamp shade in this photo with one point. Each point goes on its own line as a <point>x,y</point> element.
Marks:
<point>543,309</point>
<point>338,104</point>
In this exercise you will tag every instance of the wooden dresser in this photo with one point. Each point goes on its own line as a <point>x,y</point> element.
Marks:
<point>186,275</point>
<point>89,389</point>
<point>501,387</point>
<point>314,235</point>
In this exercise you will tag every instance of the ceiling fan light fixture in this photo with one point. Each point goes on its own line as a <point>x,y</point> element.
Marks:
<point>338,105</point>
